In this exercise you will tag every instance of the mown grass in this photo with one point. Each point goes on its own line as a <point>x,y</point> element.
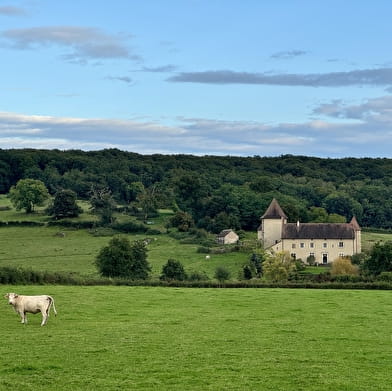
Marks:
<point>370,238</point>
<point>40,248</point>
<point>137,338</point>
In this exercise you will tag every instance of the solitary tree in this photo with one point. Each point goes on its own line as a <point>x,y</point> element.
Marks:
<point>221,274</point>
<point>28,193</point>
<point>64,205</point>
<point>173,270</point>
<point>122,259</point>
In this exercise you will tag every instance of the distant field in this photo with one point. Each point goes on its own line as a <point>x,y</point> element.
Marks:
<point>136,338</point>
<point>40,248</point>
<point>369,238</point>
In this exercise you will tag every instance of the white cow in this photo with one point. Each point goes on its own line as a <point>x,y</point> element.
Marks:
<point>32,304</point>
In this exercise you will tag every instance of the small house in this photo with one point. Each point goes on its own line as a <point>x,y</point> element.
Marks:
<point>227,236</point>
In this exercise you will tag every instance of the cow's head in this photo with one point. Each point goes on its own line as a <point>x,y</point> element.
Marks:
<point>11,297</point>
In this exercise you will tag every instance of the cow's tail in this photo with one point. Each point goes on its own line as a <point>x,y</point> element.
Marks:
<point>51,303</point>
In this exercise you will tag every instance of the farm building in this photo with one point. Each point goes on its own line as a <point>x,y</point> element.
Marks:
<point>324,242</point>
<point>227,236</point>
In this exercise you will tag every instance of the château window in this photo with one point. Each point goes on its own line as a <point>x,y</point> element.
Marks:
<point>341,244</point>
<point>325,245</point>
<point>293,245</point>
<point>302,245</point>
<point>311,245</point>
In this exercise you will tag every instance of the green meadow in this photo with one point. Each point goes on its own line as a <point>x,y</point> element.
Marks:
<point>139,338</point>
<point>147,338</point>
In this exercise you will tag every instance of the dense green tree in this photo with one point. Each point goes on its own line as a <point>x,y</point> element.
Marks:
<point>241,187</point>
<point>122,259</point>
<point>64,205</point>
<point>28,193</point>
<point>344,205</point>
<point>173,270</point>
<point>182,220</point>
<point>380,258</point>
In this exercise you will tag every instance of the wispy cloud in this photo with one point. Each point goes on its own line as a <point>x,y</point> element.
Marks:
<point>84,42</point>
<point>124,79</point>
<point>370,77</point>
<point>10,10</point>
<point>288,54</point>
<point>163,68</point>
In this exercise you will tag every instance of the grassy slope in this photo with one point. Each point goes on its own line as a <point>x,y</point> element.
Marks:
<point>135,338</point>
<point>40,249</point>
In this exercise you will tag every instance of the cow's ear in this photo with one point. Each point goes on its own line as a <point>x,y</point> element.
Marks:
<point>16,295</point>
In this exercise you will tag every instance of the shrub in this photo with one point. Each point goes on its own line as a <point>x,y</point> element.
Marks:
<point>247,272</point>
<point>385,276</point>
<point>343,266</point>
<point>198,276</point>
<point>173,270</point>
<point>311,260</point>
<point>130,227</point>
<point>278,267</point>
<point>203,250</point>
<point>221,274</point>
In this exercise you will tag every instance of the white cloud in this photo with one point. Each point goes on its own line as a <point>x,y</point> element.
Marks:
<point>203,136</point>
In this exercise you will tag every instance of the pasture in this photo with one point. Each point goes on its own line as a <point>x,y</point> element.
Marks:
<point>39,248</point>
<point>139,338</point>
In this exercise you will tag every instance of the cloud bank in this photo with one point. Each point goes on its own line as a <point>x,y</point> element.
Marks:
<point>346,130</point>
<point>369,77</point>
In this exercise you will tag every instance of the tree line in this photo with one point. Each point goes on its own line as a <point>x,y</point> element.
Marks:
<point>215,192</point>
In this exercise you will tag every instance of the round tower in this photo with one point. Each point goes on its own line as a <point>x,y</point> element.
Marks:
<point>272,221</point>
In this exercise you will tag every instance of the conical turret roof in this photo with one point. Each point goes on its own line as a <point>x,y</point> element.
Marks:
<point>355,224</point>
<point>274,211</point>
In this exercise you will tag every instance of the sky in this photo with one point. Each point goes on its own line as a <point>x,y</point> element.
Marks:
<point>201,77</point>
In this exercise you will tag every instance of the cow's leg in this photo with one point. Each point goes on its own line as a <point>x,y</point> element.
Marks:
<point>23,317</point>
<point>44,318</point>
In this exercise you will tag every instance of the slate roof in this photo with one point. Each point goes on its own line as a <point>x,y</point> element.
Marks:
<point>224,232</point>
<point>318,231</point>
<point>274,211</point>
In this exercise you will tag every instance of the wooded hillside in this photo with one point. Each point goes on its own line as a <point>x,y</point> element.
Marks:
<point>219,192</point>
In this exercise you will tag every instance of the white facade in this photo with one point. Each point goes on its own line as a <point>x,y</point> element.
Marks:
<point>324,242</point>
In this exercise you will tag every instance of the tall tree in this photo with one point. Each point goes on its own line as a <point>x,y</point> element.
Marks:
<point>28,193</point>
<point>122,259</point>
<point>102,204</point>
<point>64,205</point>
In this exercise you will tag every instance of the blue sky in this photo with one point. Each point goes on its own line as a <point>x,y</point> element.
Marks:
<point>207,77</point>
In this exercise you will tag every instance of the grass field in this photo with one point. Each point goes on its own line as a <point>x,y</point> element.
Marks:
<point>39,248</point>
<point>136,338</point>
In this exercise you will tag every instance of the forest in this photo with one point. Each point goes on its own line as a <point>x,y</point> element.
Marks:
<point>216,191</point>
